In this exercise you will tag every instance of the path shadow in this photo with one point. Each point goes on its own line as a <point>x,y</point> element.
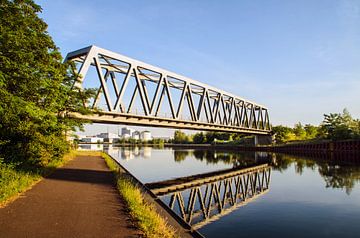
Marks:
<point>83,175</point>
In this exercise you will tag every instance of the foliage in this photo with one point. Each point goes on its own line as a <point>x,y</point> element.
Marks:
<point>282,133</point>
<point>202,138</point>
<point>15,179</point>
<point>199,138</point>
<point>151,223</point>
<point>181,138</point>
<point>35,88</point>
<point>211,136</point>
<point>339,126</point>
<point>154,141</point>
<point>335,126</point>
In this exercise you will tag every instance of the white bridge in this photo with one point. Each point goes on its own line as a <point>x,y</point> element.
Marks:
<point>135,93</point>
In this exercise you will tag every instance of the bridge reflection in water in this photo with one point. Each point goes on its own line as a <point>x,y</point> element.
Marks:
<point>203,198</point>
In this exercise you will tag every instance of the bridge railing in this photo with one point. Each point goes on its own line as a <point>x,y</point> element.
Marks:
<point>138,93</point>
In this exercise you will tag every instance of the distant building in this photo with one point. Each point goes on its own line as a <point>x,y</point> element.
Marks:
<point>109,137</point>
<point>91,140</point>
<point>145,135</point>
<point>135,135</point>
<point>126,132</point>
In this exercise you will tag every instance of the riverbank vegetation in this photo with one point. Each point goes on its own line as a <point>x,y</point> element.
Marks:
<point>150,223</point>
<point>15,179</point>
<point>335,126</point>
<point>36,91</point>
<point>155,141</point>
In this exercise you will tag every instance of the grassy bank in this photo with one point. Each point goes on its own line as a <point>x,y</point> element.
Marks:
<point>16,178</point>
<point>150,223</point>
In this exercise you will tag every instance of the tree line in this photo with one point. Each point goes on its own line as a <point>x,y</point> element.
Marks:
<point>335,126</point>
<point>204,137</point>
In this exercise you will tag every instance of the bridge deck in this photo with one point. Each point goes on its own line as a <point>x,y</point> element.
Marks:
<point>168,186</point>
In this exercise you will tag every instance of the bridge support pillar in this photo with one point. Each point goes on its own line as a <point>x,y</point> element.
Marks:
<point>263,140</point>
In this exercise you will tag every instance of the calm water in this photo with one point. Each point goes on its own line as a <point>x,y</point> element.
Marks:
<point>305,197</point>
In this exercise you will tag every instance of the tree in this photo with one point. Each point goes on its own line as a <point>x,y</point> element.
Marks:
<point>340,126</point>
<point>282,133</point>
<point>199,138</point>
<point>299,131</point>
<point>35,87</point>
<point>311,131</point>
<point>180,137</point>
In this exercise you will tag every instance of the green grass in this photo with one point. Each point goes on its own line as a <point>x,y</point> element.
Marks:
<point>16,179</point>
<point>148,220</point>
<point>13,182</point>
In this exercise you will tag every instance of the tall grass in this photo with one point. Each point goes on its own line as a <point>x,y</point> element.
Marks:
<point>13,181</point>
<point>148,220</point>
<point>17,178</point>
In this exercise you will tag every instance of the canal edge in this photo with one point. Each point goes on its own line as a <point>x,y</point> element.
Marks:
<point>183,228</point>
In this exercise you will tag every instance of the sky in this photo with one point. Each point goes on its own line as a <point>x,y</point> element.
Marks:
<point>300,58</point>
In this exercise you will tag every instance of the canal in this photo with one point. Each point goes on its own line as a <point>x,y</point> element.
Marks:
<point>252,193</point>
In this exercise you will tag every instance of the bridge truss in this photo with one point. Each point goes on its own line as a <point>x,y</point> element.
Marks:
<point>135,93</point>
<point>204,200</point>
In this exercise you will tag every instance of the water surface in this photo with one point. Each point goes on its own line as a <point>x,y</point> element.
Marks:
<point>305,197</point>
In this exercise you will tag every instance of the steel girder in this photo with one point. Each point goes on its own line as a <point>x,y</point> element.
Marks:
<point>203,201</point>
<point>209,108</point>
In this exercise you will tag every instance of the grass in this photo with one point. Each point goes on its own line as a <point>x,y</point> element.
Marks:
<point>16,179</point>
<point>148,220</point>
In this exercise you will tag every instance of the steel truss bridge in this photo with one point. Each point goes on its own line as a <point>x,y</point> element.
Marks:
<point>135,93</point>
<point>207,197</point>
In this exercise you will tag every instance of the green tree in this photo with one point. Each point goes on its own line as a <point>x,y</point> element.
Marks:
<point>283,133</point>
<point>199,138</point>
<point>340,126</point>
<point>299,131</point>
<point>311,131</point>
<point>35,87</point>
<point>180,137</point>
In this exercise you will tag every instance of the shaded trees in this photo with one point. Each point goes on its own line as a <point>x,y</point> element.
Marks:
<point>199,138</point>
<point>35,87</point>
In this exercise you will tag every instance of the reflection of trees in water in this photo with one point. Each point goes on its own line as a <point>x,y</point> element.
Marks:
<point>180,155</point>
<point>335,175</point>
<point>340,176</point>
<point>244,159</point>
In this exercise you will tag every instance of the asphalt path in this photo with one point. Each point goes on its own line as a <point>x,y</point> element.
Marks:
<point>77,200</point>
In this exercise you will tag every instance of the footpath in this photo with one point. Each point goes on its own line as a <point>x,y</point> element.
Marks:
<point>77,200</point>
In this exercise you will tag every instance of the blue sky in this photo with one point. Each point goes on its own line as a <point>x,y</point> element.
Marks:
<point>300,58</point>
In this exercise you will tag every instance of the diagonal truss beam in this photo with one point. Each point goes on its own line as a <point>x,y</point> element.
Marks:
<point>116,74</point>
<point>212,197</point>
